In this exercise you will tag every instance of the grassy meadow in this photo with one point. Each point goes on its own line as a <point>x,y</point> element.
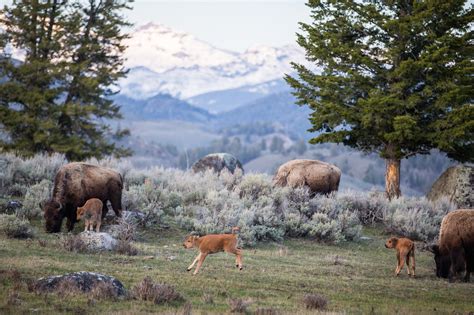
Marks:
<point>355,277</point>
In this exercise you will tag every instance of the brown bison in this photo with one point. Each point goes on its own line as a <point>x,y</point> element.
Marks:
<point>211,244</point>
<point>319,177</point>
<point>454,253</point>
<point>405,253</point>
<point>74,184</point>
<point>91,211</point>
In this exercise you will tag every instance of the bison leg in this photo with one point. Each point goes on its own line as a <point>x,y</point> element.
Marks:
<point>70,224</point>
<point>201,260</point>
<point>407,261</point>
<point>412,257</point>
<point>194,262</point>
<point>238,257</point>
<point>458,263</point>
<point>97,227</point>
<point>401,261</point>
<point>116,202</point>
<point>105,208</point>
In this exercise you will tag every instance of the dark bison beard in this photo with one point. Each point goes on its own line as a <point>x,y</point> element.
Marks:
<point>54,226</point>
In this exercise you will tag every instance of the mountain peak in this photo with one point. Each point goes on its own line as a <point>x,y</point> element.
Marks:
<point>184,66</point>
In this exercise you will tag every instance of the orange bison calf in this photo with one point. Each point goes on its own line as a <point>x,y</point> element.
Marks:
<point>213,243</point>
<point>92,213</point>
<point>405,252</point>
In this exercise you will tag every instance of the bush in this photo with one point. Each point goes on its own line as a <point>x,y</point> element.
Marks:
<point>34,195</point>
<point>146,199</point>
<point>159,293</point>
<point>125,248</point>
<point>14,227</point>
<point>416,218</point>
<point>212,203</point>
<point>315,302</point>
<point>28,172</point>
<point>239,305</point>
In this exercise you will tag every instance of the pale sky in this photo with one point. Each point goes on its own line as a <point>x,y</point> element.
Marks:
<point>229,24</point>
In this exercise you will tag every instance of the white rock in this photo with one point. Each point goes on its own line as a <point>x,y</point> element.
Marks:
<point>98,241</point>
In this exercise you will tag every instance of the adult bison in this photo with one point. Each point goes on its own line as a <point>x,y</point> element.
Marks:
<point>74,184</point>
<point>454,253</point>
<point>319,177</point>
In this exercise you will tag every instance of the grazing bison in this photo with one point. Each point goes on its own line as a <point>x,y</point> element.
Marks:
<point>319,177</point>
<point>454,253</point>
<point>74,184</point>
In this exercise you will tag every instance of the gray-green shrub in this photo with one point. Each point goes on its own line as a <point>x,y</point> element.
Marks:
<point>13,227</point>
<point>34,195</point>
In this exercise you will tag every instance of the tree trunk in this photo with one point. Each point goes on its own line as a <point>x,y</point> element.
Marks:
<point>392,178</point>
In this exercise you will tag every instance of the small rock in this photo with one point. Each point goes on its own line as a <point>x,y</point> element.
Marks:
<point>148,257</point>
<point>365,238</point>
<point>11,206</point>
<point>82,280</point>
<point>171,258</point>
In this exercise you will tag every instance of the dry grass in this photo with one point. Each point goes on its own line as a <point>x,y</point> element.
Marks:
<point>239,305</point>
<point>158,293</point>
<point>208,298</point>
<point>355,277</point>
<point>13,298</point>
<point>74,243</point>
<point>125,248</point>
<point>315,302</point>
<point>266,311</point>
<point>103,291</point>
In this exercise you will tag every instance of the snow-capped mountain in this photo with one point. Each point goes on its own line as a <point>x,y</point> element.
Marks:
<point>163,60</point>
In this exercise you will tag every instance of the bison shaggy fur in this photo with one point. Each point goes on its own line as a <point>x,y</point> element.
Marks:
<point>454,253</point>
<point>319,177</point>
<point>74,184</point>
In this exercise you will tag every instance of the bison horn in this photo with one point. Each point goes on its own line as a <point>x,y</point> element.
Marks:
<point>60,206</point>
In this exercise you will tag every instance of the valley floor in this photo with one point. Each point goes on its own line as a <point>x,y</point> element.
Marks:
<point>355,277</point>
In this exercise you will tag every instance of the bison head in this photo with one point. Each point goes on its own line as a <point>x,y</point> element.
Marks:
<point>53,214</point>
<point>391,242</point>
<point>443,262</point>
<point>189,241</point>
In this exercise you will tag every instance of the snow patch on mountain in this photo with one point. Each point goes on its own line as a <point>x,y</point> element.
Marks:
<point>163,60</point>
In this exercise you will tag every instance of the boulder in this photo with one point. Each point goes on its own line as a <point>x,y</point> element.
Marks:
<point>218,162</point>
<point>82,281</point>
<point>11,207</point>
<point>456,184</point>
<point>98,241</point>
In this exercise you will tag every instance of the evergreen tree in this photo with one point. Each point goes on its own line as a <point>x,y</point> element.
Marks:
<point>57,99</point>
<point>396,78</point>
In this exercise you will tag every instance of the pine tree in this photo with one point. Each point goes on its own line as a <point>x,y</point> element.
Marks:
<point>396,78</point>
<point>58,98</point>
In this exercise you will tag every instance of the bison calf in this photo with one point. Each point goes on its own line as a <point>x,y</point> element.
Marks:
<point>405,253</point>
<point>213,243</point>
<point>92,213</point>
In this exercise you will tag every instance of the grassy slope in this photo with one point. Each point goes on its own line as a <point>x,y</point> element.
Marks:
<point>355,277</point>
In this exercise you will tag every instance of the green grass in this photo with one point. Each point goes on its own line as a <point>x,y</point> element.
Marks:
<point>355,277</point>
